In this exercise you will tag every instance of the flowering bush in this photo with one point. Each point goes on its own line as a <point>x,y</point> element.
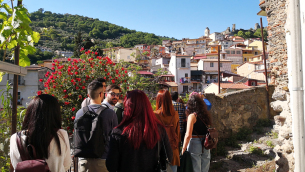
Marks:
<point>68,81</point>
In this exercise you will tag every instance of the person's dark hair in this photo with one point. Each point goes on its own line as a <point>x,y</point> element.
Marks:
<point>93,89</point>
<point>196,104</point>
<point>41,122</point>
<point>100,80</point>
<point>110,87</point>
<point>180,100</point>
<point>174,96</point>
<point>139,121</point>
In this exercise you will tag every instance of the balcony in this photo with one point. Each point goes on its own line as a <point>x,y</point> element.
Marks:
<point>184,80</point>
<point>196,80</point>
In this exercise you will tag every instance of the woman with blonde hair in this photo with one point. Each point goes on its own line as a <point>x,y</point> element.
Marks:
<point>166,113</point>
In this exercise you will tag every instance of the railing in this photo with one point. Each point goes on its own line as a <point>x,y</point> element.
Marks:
<point>184,80</point>
<point>196,79</point>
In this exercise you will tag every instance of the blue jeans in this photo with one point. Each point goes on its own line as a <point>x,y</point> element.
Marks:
<point>174,168</point>
<point>201,161</point>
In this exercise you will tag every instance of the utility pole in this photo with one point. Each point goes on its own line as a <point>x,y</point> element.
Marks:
<point>265,65</point>
<point>218,49</point>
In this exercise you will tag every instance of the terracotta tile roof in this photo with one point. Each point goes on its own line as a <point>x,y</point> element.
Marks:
<point>60,59</point>
<point>215,60</point>
<point>145,73</point>
<point>183,56</point>
<point>200,57</point>
<point>167,75</point>
<point>33,67</point>
<point>171,84</point>
<point>232,86</point>
<point>261,3</point>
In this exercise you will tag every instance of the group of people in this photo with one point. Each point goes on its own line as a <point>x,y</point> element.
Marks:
<point>136,137</point>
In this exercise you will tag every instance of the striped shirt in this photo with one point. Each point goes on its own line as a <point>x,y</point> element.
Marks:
<point>181,111</point>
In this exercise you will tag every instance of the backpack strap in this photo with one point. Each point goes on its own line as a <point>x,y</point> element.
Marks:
<point>101,109</point>
<point>23,154</point>
<point>85,109</point>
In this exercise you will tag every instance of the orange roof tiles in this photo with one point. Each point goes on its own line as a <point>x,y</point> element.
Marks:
<point>232,86</point>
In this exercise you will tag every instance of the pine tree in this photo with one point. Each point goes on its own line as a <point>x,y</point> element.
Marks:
<point>78,42</point>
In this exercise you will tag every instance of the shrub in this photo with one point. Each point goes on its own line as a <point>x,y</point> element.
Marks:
<point>68,81</point>
<point>243,134</point>
<point>256,150</point>
<point>269,143</point>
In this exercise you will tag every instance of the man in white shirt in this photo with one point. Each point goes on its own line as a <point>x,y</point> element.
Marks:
<point>112,96</point>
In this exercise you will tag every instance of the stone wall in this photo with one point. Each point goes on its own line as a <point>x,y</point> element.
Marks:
<point>235,110</point>
<point>277,17</point>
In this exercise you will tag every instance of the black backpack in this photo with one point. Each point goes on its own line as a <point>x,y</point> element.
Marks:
<point>89,138</point>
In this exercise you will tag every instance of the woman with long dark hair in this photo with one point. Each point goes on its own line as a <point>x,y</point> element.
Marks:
<point>166,113</point>
<point>134,142</point>
<point>41,128</point>
<point>198,119</point>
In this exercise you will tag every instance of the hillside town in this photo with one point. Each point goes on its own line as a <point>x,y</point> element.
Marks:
<point>190,64</point>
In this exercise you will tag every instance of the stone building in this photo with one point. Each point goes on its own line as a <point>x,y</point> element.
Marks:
<point>286,48</point>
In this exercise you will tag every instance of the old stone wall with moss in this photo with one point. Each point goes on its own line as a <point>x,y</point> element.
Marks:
<point>235,110</point>
<point>277,11</point>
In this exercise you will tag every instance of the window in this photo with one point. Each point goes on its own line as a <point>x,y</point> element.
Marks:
<point>182,62</point>
<point>211,64</point>
<point>220,65</point>
<point>232,52</point>
<point>237,52</point>
<point>245,59</point>
<point>255,53</point>
<point>228,51</point>
<point>253,83</point>
<point>186,75</point>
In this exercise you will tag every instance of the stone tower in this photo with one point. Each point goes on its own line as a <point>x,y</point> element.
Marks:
<point>233,28</point>
<point>207,32</point>
<point>256,26</point>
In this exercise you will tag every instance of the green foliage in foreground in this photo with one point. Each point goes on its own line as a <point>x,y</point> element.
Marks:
<point>5,126</point>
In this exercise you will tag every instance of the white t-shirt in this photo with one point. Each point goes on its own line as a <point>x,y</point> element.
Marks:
<point>56,162</point>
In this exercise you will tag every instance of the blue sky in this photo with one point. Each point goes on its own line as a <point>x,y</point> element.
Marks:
<point>173,18</point>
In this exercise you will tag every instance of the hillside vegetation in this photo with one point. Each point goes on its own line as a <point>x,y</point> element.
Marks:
<point>59,30</point>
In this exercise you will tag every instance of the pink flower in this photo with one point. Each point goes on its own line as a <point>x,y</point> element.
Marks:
<point>40,80</point>
<point>39,92</point>
<point>73,109</point>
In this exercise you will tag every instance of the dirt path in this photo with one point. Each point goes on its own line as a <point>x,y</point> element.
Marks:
<point>252,154</point>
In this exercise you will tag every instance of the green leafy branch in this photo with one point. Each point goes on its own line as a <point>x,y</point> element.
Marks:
<point>15,30</point>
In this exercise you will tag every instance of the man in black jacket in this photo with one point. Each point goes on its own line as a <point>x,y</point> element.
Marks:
<point>109,121</point>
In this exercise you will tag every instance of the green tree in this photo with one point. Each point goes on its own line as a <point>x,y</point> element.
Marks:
<point>248,34</point>
<point>241,34</point>
<point>78,44</point>
<point>259,35</point>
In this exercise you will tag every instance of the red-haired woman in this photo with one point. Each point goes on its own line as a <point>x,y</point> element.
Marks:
<point>197,119</point>
<point>133,143</point>
<point>166,113</point>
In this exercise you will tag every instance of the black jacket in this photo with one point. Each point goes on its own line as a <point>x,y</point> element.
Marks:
<point>186,164</point>
<point>122,157</point>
